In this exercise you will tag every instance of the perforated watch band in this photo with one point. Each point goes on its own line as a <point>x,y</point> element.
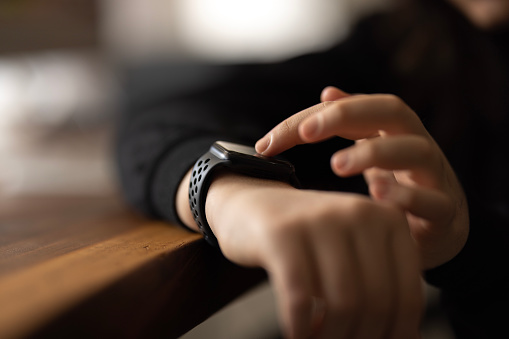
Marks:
<point>198,188</point>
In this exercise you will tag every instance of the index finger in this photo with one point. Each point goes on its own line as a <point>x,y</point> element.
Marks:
<point>286,133</point>
<point>354,117</point>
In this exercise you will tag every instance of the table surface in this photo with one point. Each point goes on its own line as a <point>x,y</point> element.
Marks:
<point>90,267</point>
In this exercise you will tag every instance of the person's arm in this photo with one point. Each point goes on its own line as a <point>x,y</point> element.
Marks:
<point>163,132</point>
<point>171,114</point>
<point>463,246</point>
<point>160,140</point>
<point>351,257</point>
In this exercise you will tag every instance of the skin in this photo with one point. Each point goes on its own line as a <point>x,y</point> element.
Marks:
<point>342,265</point>
<point>351,255</point>
<point>345,265</point>
<point>485,14</point>
<point>401,163</point>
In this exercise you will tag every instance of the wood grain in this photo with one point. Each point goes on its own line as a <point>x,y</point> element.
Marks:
<point>92,268</point>
<point>34,230</point>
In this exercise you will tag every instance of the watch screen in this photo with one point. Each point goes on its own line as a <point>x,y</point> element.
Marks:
<point>237,148</point>
<point>244,159</point>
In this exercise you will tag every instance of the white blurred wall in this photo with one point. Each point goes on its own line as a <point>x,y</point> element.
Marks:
<point>228,30</point>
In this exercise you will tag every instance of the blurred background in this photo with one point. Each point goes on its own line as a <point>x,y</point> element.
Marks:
<point>62,71</point>
<point>61,63</point>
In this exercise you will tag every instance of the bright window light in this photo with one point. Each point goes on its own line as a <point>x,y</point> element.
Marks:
<point>259,28</point>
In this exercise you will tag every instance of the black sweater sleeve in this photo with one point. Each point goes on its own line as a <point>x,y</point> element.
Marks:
<point>173,112</point>
<point>164,131</point>
<point>474,284</point>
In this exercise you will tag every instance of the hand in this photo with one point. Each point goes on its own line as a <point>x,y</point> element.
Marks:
<point>401,162</point>
<point>342,265</point>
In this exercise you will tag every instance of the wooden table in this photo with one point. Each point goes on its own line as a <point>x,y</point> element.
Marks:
<point>89,267</point>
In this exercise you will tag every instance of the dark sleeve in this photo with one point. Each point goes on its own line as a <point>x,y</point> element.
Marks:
<point>474,284</point>
<point>173,112</point>
<point>167,126</point>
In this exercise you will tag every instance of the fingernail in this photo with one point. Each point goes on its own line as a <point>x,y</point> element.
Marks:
<point>340,161</point>
<point>312,127</point>
<point>263,144</point>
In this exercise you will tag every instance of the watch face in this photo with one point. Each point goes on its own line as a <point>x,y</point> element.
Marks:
<point>236,152</point>
<point>244,159</point>
<point>231,147</point>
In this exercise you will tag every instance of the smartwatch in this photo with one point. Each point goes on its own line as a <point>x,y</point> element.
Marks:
<point>236,158</point>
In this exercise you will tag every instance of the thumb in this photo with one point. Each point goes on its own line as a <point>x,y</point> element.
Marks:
<point>331,93</point>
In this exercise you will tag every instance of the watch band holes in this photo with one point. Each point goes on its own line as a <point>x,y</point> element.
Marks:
<point>196,189</point>
<point>205,168</point>
<point>194,174</point>
<point>199,170</point>
<point>199,178</point>
<point>206,161</point>
<point>199,163</point>
<point>194,181</point>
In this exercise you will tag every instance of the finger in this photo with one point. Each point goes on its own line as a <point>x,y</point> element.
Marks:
<point>406,152</point>
<point>377,273</point>
<point>426,203</point>
<point>292,270</point>
<point>361,116</point>
<point>285,135</point>
<point>409,286</point>
<point>377,175</point>
<point>339,274</point>
<point>331,93</point>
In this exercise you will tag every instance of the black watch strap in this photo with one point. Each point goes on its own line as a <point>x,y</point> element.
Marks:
<point>198,187</point>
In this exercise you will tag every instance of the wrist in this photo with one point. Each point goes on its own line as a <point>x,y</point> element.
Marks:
<point>232,157</point>
<point>182,204</point>
<point>232,191</point>
<point>225,186</point>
